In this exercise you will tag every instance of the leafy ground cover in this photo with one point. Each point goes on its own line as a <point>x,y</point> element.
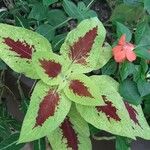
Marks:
<point>117,67</point>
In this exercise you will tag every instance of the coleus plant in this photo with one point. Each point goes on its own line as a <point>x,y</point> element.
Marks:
<point>65,99</point>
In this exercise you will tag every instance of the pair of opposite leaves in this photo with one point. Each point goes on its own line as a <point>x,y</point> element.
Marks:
<point>62,80</point>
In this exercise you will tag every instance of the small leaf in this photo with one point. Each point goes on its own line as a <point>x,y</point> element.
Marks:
<point>147,5</point>
<point>39,12</point>
<point>47,31</point>
<point>10,143</point>
<point>111,116</point>
<point>73,134</point>
<point>82,90</point>
<point>122,29</point>
<point>82,45</point>
<point>17,46</point>
<point>47,110</point>
<point>49,67</point>
<point>105,54</point>
<point>129,91</point>
<point>127,68</point>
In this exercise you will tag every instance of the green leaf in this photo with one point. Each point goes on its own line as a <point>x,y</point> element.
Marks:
<point>143,87</point>
<point>111,116</point>
<point>10,143</point>
<point>122,143</point>
<point>2,65</point>
<point>127,68</point>
<point>57,41</point>
<point>105,54</point>
<point>122,29</point>
<point>81,12</point>
<point>39,144</point>
<point>47,31</point>
<point>141,35</point>
<point>143,52</point>
<point>82,45</point>
<point>51,68</point>
<point>17,46</point>
<point>39,12</point>
<point>49,2</point>
<point>47,110</point>
<point>125,13</point>
<point>82,90</point>
<point>56,17</point>
<point>73,133</point>
<point>147,5</point>
<point>4,129</point>
<point>129,91</point>
<point>110,68</point>
<point>21,21</point>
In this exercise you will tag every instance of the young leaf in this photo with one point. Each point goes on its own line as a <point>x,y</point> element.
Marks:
<point>105,54</point>
<point>10,143</point>
<point>47,110</point>
<point>17,46</point>
<point>73,134</point>
<point>49,67</point>
<point>139,124</point>
<point>82,45</point>
<point>82,90</point>
<point>111,116</point>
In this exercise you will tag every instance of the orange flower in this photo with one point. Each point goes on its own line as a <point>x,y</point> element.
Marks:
<point>124,51</point>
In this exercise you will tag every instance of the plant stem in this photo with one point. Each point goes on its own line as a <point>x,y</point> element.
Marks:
<point>103,138</point>
<point>90,4</point>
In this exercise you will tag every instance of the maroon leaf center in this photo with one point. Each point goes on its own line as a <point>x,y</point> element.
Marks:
<point>23,49</point>
<point>70,134</point>
<point>52,69</point>
<point>109,110</point>
<point>47,107</point>
<point>81,49</point>
<point>79,88</point>
<point>132,113</point>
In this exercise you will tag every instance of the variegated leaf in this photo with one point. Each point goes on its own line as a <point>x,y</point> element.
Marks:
<point>82,45</point>
<point>139,124</point>
<point>50,67</point>
<point>105,53</point>
<point>111,116</point>
<point>81,89</point>
<point>17,46</point>
<point>72,134</point>
<point>47,110</point>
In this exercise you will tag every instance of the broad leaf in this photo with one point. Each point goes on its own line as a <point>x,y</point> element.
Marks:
<point>10,143</point>
<point>73,134</point>
<point>82,45</point>
<point>105,54</point>
<point>50,67</point>
<point>17,46</point>
<point>139,124</point>
<point>111,116</point>
<point>47,110</point>
<point>82,90</point>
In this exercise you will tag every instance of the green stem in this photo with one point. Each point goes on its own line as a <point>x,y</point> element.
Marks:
<point>90,4</point>
<point>103,138</point>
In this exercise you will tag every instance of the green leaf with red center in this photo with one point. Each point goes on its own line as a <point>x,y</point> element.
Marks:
<point>82,45</point>
<point>50,67</point>
<point>111,116</point>
<point>82,90</point>
<point>139,123</point>
<point>72,134</point>
<point>47,110</point>
<point>17,46</point>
